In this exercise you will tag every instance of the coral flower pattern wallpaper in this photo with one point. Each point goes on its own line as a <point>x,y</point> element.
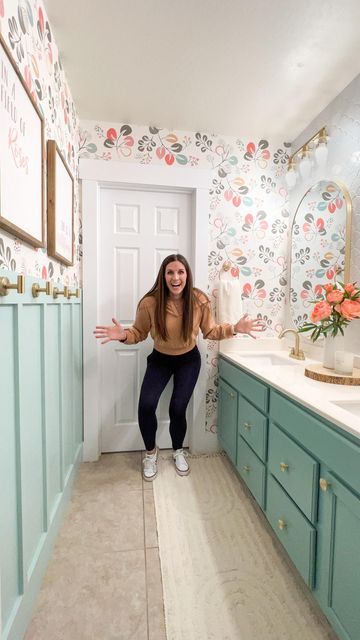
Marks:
<point>27,33</point>
<point>248,210</point>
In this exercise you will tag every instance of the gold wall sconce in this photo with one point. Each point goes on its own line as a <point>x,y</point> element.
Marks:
<point>36,289</point>
<point>302,158</point>
<point>5,285</point>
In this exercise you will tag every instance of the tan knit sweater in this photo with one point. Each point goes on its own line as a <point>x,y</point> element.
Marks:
<point>175,345</point>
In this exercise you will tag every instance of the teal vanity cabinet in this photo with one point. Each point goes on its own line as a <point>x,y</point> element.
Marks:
<point>248,426</point>
<point>304,472</point>
<point>227,419</point>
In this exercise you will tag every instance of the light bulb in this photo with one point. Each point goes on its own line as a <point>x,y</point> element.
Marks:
<point>305,166</point>
<point>321,154</point>
<point>290,178</point>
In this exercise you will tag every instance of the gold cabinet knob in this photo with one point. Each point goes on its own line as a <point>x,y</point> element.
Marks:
<point>75,293</point>
<point>284,466</point>
<point>231,395</point>
<point>36,289</point>
<point>247,426</point>
<point>324,484</point>
<point>5,285</point>
<point>246,468</point>
<point>282,524</point>
<point>57,292</point>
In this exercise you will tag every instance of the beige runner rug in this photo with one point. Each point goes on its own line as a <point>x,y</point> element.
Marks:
<point>223,577</point>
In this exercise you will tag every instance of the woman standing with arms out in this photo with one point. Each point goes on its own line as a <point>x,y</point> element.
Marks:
<point>172,312</point>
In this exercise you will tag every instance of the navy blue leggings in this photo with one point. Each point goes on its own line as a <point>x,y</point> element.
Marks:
<point>160,367</point>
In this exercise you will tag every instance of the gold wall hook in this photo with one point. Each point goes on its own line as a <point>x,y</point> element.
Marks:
<point>36,289</point>
<point>5,285</point>
<point>75,293</point>
<point>57,292</point>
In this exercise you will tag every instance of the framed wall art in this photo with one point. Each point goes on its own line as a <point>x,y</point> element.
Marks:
<point>60,206</point>
<point>21,156</point>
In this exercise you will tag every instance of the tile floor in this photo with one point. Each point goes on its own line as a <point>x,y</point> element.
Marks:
<point>103,581</point>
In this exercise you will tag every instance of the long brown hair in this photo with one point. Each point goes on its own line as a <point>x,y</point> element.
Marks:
<point>160,292</point>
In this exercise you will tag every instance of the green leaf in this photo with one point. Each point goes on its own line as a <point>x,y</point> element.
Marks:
<point>231,231</point>
<point>246,271</point>
<point>320,273</point>
<point>91,147</point>
<point>322,206</point>
<point>233,160</point>
<point>247,201</point>
<point>181,159</point>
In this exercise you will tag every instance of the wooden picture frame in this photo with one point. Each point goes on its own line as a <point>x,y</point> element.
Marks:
<point>22,211</point>
<point>60,206</point>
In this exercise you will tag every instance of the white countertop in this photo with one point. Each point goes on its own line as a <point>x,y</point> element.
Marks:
<point>291,381</point>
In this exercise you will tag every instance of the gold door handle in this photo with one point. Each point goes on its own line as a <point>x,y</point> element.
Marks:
<point>247,426</point>
<point>324,484</point>
<point>284,466</point>
<point>75,293</point>
<point>246,468</point>
<point>5,285</point>
<point>57,292</point>
<point>36,289</point>
<point>282,524</point>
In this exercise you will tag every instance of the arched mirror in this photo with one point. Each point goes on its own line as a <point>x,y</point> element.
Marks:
<point>320,245</point>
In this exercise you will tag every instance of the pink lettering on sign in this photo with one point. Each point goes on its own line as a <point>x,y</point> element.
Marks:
<point>21,161</point>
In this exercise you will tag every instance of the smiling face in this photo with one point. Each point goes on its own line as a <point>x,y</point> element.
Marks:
<point>175,278</point>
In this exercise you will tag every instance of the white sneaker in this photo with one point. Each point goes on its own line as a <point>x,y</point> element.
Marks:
<point>181,464</point>
<point>150,466</point>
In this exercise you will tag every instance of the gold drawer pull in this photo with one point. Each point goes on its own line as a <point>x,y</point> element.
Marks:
<point>283,466</point>
<point>246,468</point>
<point>247,426</point>
<point>324,484</point>
<point>5,285</point>
<point>282,525</point>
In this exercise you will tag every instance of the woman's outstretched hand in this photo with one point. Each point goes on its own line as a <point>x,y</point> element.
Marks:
<point>247,325</point>
<point>116,332</point>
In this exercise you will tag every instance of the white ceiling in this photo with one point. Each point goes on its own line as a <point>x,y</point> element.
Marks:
<point>256,68</point>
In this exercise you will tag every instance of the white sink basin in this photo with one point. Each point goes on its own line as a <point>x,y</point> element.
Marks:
<point>349,405</point>
<point>268,359</point>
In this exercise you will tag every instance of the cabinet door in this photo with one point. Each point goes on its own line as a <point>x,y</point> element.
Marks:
<point>338,576</point>
<point>227,419</point>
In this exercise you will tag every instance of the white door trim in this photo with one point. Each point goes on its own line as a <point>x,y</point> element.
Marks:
<point>94,175</point>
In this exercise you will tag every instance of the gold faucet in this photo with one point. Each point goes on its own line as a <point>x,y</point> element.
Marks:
<point>295,352</point>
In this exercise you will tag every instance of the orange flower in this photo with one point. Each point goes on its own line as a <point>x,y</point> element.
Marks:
<point>321,311</point>
<point>335,296</point>
<point>349,288</point>
<point>350,309</point>
<point>328,287</point>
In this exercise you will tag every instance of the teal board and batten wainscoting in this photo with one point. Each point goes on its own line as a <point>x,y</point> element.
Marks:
<point>41,437</point>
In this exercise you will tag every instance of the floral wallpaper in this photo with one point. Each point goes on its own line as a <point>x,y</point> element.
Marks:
<point>317,246</point>
<point>248,210</point>
<point>26,31</point>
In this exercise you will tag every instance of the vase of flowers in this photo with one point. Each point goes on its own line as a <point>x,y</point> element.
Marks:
<point>333,311</point>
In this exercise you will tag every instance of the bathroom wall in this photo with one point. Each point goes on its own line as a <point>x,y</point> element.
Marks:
<point>28,35</point>
<point>248,212</point>
<point>342,119</point>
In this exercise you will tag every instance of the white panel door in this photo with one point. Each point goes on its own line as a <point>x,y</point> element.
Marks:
<point>138,229</point>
